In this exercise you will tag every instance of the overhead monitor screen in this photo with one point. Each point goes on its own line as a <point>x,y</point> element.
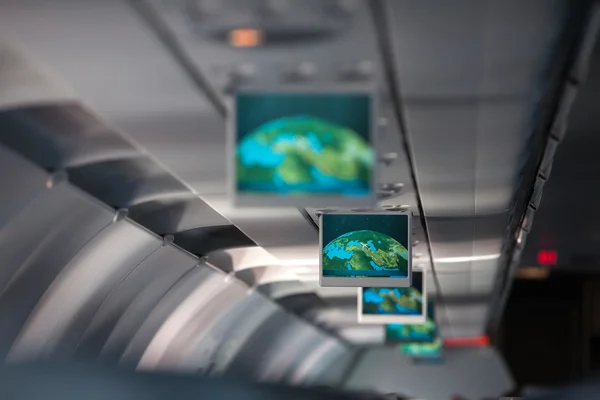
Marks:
<point>391,305</point>
<point>423,350</point>
<point>413,333</point>
<point>366,249</point>
<point>305,147</point>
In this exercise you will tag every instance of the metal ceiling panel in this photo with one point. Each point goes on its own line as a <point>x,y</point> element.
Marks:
<point>467,314</point>
<point>482,282</point>
<point>453,284</point>
<point>465,330</point>
<point>465,33</point>
<point>25,86</point>
<point>451,164</point>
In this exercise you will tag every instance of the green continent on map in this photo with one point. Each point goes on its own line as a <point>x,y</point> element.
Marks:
<point>392,300</point>
<point>365,250</point>
<point>304,154</point>
<point>412,330</point>
<point>432,348</point>
<point>406,298</point>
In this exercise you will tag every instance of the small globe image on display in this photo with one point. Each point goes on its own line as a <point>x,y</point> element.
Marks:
<point>365,253</point>
<point>412,332</point>
<point>303,155</point>
<point>432,349</point>
<point>395,301</point>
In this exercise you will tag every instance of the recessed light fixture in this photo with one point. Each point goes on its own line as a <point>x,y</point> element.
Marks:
<point>245,37</point>
<point>451,260</point>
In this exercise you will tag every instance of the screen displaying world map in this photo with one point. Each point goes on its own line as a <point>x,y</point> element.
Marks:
<point>304,144</point>
<point>365,245</point>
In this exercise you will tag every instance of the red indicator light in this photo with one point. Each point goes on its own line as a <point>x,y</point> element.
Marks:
<point>475,341</point>
<point>547,257</point>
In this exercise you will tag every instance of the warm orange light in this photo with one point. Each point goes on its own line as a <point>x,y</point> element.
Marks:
<point>475,341</point>
<point>245,37</point>
<point>532,273</point>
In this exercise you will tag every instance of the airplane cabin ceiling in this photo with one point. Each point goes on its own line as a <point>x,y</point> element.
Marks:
<point>130,102</point>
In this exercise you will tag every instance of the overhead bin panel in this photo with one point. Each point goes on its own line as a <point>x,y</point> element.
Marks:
<point>79,291</point>
<point>37,245</point>
<point>256,309</point>
<point>323,365</point>
<point>270,340</point>
<point>21,182</point>
<point>194,345</point>
<point>135,296</point>
<point>286,362</point>
<point>133,334</point>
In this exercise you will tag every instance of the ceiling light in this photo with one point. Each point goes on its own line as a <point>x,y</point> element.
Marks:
<point>245,37</point>
<point>451,260</point>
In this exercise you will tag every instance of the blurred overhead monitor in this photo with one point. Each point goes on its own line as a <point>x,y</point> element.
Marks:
<point>393,305</point>
<point>432,351</point>
<point>303,146</point>
<point>366,249</point>
<point>413,333</point>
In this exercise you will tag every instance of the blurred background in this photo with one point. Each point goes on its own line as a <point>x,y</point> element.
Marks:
<point>120,246</point>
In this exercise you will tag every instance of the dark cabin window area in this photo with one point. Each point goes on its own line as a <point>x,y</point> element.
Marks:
<point>542,332</point>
